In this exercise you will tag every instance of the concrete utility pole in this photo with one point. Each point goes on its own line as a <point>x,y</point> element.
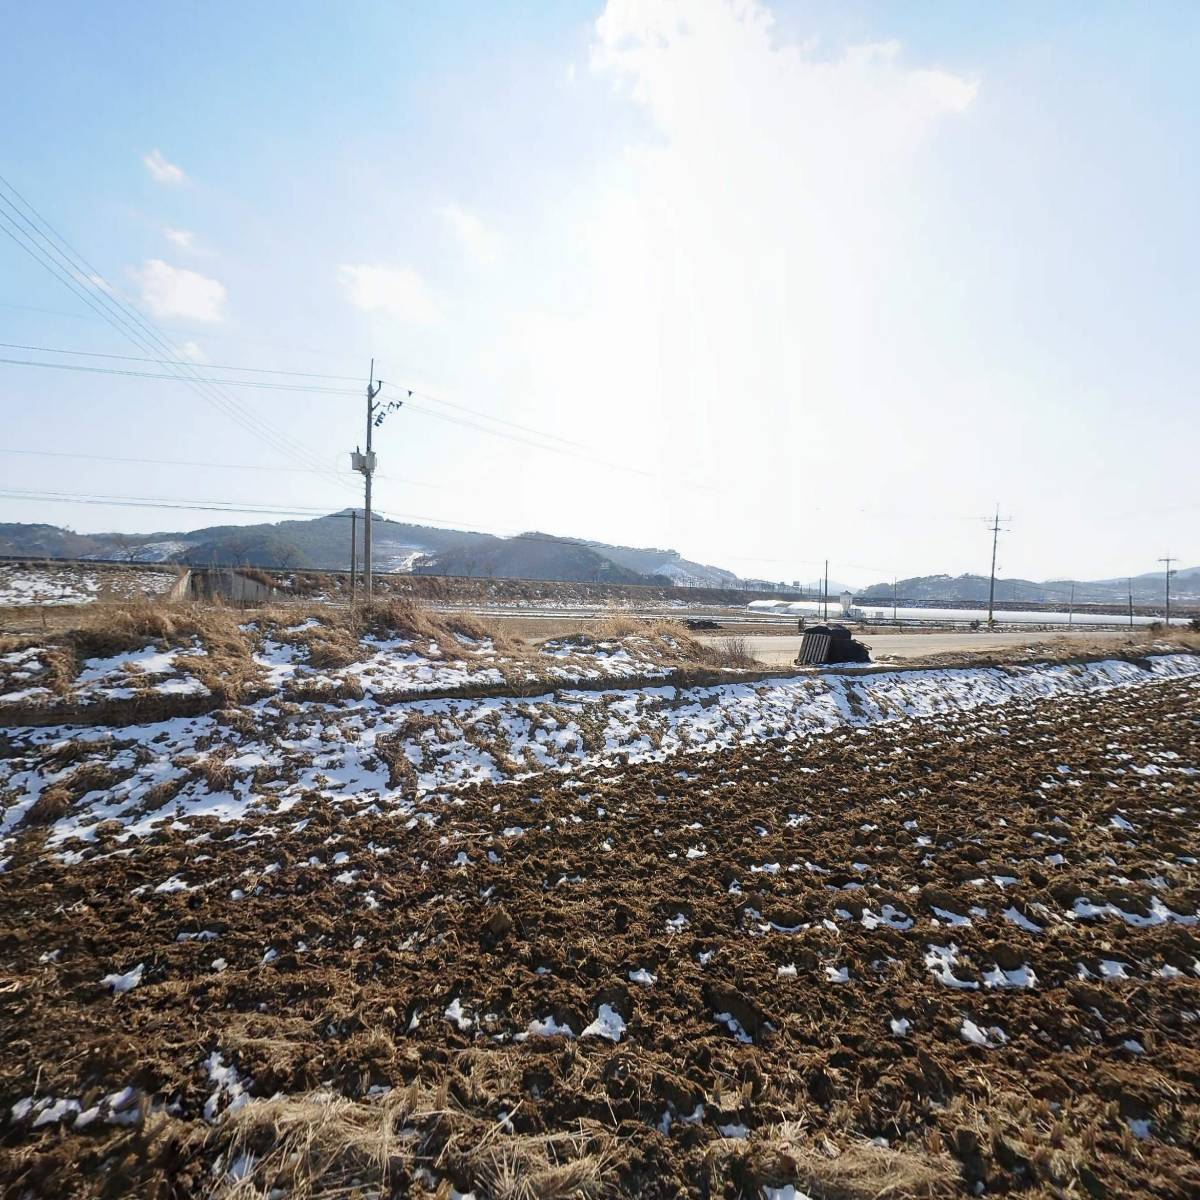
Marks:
<point>1071,612</point>
<point>827,589</point>
<point>365,462</point>
<point>1168,561</point>
<point>992,583</point>
<point>895,594</point>
<point>368,471</point>
<point>1130,601</point>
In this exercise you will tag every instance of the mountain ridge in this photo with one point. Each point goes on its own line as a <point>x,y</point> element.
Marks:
<point>323,543</point>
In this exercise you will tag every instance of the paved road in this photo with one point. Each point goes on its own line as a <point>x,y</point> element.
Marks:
<point>776,651</point>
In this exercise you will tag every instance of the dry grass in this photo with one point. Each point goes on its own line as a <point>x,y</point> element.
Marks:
<point>59,662</point>
<point>320,1146</point>
<point>860,1170</point>
<point>227,668</point>
<point>620,625</point>
<point>735,651</point>
<point>669,641</point>
<point>218,645</point>
<point>57,800</point>
<point>543,1167</point>
<point>217,774</point>
<point>113,627</point>
<point>405,618</point>
<point>323,1145</point>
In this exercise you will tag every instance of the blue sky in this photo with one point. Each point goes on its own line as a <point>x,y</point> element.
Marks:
<point>782,280</point>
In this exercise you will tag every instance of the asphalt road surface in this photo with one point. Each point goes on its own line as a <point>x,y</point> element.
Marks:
<point>777,651</point>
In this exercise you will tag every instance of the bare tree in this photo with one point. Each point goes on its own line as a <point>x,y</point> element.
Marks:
<point>126,547</point>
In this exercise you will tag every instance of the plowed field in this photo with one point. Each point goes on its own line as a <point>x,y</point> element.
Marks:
<point>943,956</point>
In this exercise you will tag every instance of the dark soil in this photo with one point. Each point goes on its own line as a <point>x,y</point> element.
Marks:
<point>343,984</point>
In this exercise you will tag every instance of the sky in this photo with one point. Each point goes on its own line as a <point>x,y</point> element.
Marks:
<point>766,283</point>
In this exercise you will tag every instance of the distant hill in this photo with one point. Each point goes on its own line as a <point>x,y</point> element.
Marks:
<point>46,541</point>
<point>323,543</point>
<point>667,564</point>
<point>940,589</point>
<point>532,556</point>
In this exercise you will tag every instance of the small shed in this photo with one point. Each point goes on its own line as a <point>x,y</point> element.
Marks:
<point>825,644</point>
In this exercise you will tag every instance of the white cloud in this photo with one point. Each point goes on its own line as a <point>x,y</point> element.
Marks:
<point>162,171</point>
<point>718,59</point>
<point>169,291</point>
<point>481,243</point>
<point>183,238</point>
<point>397,291</point>
<point>744,283</point>
<point>192,351</point>
<point>950,92</point>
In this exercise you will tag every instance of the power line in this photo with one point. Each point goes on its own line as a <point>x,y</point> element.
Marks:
<point>70,278</point>
<point>311,511</point>
<point>575,448</point>
<point>581,456</point>
<point>175,462</point>
<point>178,363</point>
<point>288,510</point>
<point>254,506</point>
<point>194,365</point>
<point>192,379</point>
<point>485,416</point>
<point>413,391</point>
<point>127,320</point>
<point>131,331</point>
<point>289,387</point>
<point>221,335</point>
<point>175,378</point>
<point>231,506</point>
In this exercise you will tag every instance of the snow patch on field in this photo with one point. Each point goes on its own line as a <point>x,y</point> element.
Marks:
<point>118,983</point>
<point>335,749</point>
<point>22,585</point>
<point>52,586</point>
<point>122,676</point>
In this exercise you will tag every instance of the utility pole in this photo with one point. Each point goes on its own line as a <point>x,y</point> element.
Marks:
<point>894,601</point>
<point>353,553</point>
<point>1168,561</point>
<point>365,462</point>
<point>1071,611</point>
<point>826,589</point>
<point>1130,601</point>
<point>992,583</point>
<point>368,472</point>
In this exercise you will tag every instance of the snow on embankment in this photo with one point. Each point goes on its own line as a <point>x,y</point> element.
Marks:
<point>265,755</point>
<point>46,586</point>
<point>578,729</point>
<point>139,677</point>
<point>50,585</point>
